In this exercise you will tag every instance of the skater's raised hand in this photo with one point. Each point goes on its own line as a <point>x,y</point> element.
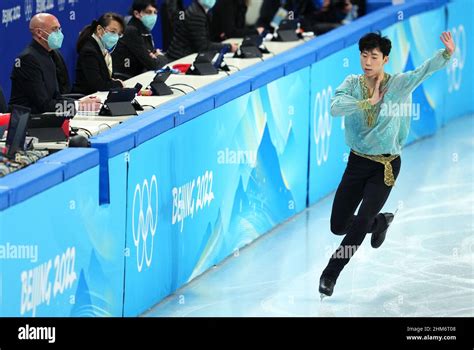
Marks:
<point>448,42</point>
<point>378,94</point>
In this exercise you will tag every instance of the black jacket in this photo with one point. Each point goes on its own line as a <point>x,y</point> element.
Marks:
<point>3,102</point>
<point>192,35</point>
<point>169,12</point>
<point>303,11</point>
<point>228,20</point>
<point>34,82</point>
<point>131,56</point>
<point>61,72</point>
<point>92,74</point>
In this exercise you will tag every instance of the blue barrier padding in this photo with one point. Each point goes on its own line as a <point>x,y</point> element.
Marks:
<point>327,44</point>
<point>238,84</point>
<point>4,198</point>
<point>115,141</point>
<point>109,144</point>
<point>197,103</point>
<point>433,4</point>
<point>151,124</point>
<point>75,160</point>
<point>410,9</point>
<point>298,58</point>
<point>266,72</point>
<point>354,31</point>
<point>32,180</point>
<point>374,5</point>
<point>383,18</point>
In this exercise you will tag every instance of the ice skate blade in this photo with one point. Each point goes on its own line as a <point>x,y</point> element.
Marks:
<point>322,296</point>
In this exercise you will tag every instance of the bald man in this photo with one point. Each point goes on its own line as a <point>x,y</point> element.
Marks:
<point>34,80</point>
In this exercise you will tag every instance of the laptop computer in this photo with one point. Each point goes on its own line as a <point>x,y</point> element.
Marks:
<point>119,103</point>
<point>203,64</point>
<point>49,128</point>
<point>17,128</point>
<point>158,85</point>
<point>250,47</point>
<point>287,31</point>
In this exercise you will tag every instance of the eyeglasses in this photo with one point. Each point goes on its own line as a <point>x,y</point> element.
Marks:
<point>52,31</point>
<point>113,32</point>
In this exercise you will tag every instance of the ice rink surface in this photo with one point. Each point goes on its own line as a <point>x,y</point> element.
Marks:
<point>424,268</point>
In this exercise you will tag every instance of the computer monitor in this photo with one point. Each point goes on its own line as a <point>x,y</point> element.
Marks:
<point>49,128</point>
<point>17,130</point>
<point>287,31</point>
<point>119,103</point>
<point>121,95</point>
<point>203,64</point>
<point>158,85</point>
<point>250,47</point>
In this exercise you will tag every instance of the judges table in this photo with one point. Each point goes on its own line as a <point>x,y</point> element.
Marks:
<point>191,83</point>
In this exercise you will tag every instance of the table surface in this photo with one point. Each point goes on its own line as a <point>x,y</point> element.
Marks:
<point>92,124</point>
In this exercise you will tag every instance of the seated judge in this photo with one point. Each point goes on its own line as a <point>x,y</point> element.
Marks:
<point>136,52</point>
<point>193,34</point>
<point>94,68</point>
<point>34,80</point>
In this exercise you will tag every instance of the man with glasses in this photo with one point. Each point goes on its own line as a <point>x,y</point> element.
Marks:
<point>136,52</point>
<point>34,80</point>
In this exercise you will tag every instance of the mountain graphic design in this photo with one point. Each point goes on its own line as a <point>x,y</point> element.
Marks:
<point>83,304</point>
<point>287,159</point>
<point>259,206</point>
<point>93,297</point>
<point>213,245</point>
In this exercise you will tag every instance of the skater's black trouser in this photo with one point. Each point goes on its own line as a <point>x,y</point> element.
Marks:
<point>363,180</point>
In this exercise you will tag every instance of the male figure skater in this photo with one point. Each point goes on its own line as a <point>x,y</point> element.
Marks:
<point>376,129</point>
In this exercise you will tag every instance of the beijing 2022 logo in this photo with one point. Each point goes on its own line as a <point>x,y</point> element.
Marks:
<point>145,206</point>
<point>28,9</point>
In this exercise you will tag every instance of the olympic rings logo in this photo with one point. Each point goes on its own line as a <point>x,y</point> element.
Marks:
<point>322,124</point>
<point>455,68</point>
<point>143,199</point>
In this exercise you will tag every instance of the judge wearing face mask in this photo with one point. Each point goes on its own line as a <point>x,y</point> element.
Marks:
<point>94,69</point>
<point>136,52</point>
<point>34,80</point>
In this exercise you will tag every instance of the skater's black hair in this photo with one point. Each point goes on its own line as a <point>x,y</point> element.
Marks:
<point>372,41</point>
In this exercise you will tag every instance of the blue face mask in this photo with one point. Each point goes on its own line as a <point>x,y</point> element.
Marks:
<point>110,40</point>
<point>55,40</point>
<point>149,21</point>
<point>208,3</point>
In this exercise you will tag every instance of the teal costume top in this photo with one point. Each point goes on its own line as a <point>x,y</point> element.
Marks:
<point>383,128</point>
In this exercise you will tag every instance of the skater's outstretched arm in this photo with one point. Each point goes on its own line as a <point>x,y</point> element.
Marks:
<point>409,81</point>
